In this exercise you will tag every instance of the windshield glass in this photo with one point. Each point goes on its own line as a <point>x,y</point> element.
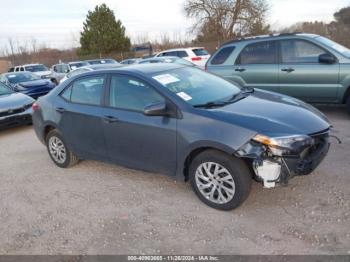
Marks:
<point>36,68</point>
<point>334,45</point>
<point>22,77</point>
<point>4,90</point>
<point>78,64</point>
<point>196,86</point>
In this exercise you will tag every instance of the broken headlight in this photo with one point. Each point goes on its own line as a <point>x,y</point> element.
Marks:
<point>285,145</point>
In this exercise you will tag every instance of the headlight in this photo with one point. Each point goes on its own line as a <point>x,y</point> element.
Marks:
<point>285,144</point>
<point>19,87</point>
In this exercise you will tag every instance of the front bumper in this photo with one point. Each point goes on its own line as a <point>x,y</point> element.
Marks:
<point>16,120</point>
<point>272,170</point>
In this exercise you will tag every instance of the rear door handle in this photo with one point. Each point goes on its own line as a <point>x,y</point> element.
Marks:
<point>240,69</point>
<point>288,70</point>
<point>60,110</point>
<point>110,119</point>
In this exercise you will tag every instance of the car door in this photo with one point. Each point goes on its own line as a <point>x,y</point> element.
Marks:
<point>301,74</point>
<point>133,139</point>
<point>257,66</point>
<point>81,116</point>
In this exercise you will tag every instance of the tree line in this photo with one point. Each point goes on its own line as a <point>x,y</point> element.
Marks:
<point>215,21</point>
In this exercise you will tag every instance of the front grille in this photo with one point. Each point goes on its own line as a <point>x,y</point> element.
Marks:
<point>12,112</point>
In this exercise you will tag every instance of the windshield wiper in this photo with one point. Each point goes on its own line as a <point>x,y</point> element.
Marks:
<point>211,104</point>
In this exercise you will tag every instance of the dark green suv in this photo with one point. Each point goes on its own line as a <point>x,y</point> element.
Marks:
<point>306,66</point>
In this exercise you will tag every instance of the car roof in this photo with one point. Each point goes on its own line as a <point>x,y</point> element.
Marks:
<point>270,37</point>
<point>181,48</point>
<point>32,64</point>
<point>143,69</point>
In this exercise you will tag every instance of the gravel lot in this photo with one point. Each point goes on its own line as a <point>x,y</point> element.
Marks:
<point>97,208</point>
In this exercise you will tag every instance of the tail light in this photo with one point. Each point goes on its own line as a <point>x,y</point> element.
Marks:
<point>197,58</point>
<point>35,107</point>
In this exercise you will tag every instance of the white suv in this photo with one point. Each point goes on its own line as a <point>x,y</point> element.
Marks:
<point>197,55</point>
<point>37,69</point>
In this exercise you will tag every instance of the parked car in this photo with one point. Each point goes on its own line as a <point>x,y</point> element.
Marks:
<point>38,69</point>
<point>197,55</point>
<point>168,59</point>
<point>27,83</point>
<point>186,123</point>
<point>101,61</point>
<point>85,69</point>
<point>306,66</point>
<point>130,61</point>
<point>59,71</point>
<point>15,108</point>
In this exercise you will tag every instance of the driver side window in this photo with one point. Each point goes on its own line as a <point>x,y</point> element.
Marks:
<point>131,94</point>
<point>300,51</point>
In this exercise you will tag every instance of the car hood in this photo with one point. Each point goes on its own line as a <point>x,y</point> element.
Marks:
<point>35,83</point>
<point>14,100</point>
<point>43,73</point>
<point>273,114</point>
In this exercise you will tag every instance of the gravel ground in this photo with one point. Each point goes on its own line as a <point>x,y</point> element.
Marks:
<point>96,208</point>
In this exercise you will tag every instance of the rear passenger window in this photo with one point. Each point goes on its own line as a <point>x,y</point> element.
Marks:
<point>182,54</point>
<point>131,94</point>
<point>258,53</point>
<point>222,55</point>
<point>85,91</point>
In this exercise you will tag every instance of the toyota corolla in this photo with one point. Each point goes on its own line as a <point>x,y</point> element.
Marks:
<point>186,123</point>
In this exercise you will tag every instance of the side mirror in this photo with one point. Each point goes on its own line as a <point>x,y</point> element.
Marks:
<point>327,59</point>
<point>156,109</point>
<point>66,71</point>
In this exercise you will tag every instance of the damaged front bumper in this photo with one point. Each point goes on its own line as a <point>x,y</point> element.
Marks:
<point>273,169</point>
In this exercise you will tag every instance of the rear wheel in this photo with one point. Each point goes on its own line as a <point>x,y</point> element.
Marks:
<point>220,180</point>
<point>58,150</point>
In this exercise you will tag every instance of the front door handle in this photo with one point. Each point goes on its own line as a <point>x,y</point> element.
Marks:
<point>240,69</point>
<point>288,70</point>
<point>60,110</point>
<point>110,119</point>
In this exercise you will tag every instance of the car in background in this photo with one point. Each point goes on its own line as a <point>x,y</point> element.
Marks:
<point>38,69</point>
<point>186,123</point>
<point>59,71</point>
<point>197,55</point>
<point>309,67</point>
<point>168,59</point>
<point>101,61</point>
<point>130,61</point>
<point>89,68</point>
<point>27,83</point>
<point>15,108</point>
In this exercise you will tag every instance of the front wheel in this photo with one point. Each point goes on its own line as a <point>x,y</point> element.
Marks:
<point>58,150</point>
<point>220,180</point>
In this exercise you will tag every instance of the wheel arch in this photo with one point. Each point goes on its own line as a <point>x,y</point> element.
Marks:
<point>195,151</point>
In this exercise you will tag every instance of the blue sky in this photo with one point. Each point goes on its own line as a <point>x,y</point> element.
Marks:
<point>57,23</point>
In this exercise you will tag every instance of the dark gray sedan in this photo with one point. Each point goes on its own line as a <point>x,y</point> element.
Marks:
<point>15,108</point>
<point>185,123</point>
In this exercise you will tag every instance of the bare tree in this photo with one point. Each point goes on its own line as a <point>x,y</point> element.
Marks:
<point>226,19</point>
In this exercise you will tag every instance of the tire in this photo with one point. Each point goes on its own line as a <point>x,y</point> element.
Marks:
<point>348,103</point>
<point>58,151</point>
<point>233,180</point>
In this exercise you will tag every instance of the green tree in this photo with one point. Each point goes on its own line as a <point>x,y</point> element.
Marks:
<point>102,33</point>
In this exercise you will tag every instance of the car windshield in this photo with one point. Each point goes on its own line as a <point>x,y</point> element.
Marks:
<point>334,45</point>
<point>195,86</point>
<point>4,90</point>
<point>103,61</point>
<point>76,65</point>
<point>36,68</point>
<point>22,77</point>
<point>200,52</point>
